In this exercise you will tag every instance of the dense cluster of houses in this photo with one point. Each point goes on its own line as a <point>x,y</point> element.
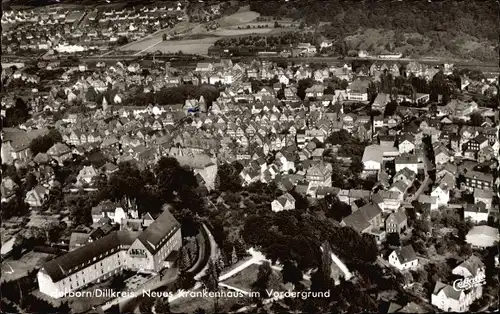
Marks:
<point>69,30</point>
<point>277,137</point>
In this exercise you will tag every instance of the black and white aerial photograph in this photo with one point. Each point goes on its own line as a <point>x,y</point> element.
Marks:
<point>250,156</point>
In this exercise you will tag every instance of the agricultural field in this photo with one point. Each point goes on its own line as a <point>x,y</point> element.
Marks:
<point>196,38</point>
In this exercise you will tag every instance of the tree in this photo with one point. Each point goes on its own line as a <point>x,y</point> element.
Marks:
<point>390,109</point>
<point>211,281</point>
<point>16,207</point>
<point>117,283</point>
<point>263,276</point>
<point>146,306</point>
<point>476,119</point>
<point>276,24</point>
<point>291,274</point>
<point>16,114</point>
<point>164,37</point>
<point>31,181</point>
<point>43,143</point>
<point>184,259</point>
<point>228,178</point>
<point>393,239</point>
<point>339,137</point>
<point>80,210</point>
<point>122,40</point>
<point>185,281</point>
<point>162,306</point>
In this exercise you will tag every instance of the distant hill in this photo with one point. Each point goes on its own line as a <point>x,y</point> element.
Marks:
<point>463,29</point>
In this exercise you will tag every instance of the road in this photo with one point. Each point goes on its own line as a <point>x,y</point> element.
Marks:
<point>428,166</point>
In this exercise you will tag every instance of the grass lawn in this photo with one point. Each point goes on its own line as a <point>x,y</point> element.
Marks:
<point>188,46</point>
<point>205,38</point>
<point>245,278</point>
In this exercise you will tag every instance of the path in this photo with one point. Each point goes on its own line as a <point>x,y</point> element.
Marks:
<point>427,180</point>
<point>146,49</point>
<point>257,258</point>
<point>347,274</point>
<point>213,252</point>
<point>233,288</point>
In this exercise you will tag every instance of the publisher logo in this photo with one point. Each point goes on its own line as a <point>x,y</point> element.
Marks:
<point>469,283</point>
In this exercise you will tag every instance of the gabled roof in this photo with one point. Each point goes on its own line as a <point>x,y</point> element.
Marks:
<point>476,208</point>
<point>69,263</point>
<point>407,173</point>
<point>373,153</point>
<point>472,264</point>
<point>482,193</point>
<point>406,254</point>
<point>157,232</point>
<point>399,215</point>
<point>359,220</point>
<point>448,290</point>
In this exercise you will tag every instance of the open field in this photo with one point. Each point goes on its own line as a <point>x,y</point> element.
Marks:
<point>196,39</point>
<point>244,279</point>
<point>189,46</point>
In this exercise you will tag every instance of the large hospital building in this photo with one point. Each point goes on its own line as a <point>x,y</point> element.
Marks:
<point>150,250</point>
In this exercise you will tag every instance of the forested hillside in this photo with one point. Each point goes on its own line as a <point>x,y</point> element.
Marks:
<point>465,29</point>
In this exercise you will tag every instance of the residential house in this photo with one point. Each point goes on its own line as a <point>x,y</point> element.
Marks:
<point>59,152</point>
<point>364,219</point>
<point>448,299</point>
<point>111,210</point>
<point>405,175</point>
<point>381,102</point>
<point>471,267</point>
<point>476,212</point>
<point>387,200</point>
<point>86,175</point>
<point>483,196</point>
<point>320,175</point>
<point>442,192</point>
<point>372,159</point>
<point>15,147</point>
<point>284,202</point>
<point>406,143</point>
<point>358,90</point>
<point>36,196</point>
<point>477,143</point>
<point>403,258</point>
<point>441,155</point>
<point>476,179</point>
<point>428,200</point>
<point>407,161</point>
<point>396,222</point>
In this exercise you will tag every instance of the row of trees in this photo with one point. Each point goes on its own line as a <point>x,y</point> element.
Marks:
<point>286,39</point>
<point>43,143</point>
<point>172,95</point>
